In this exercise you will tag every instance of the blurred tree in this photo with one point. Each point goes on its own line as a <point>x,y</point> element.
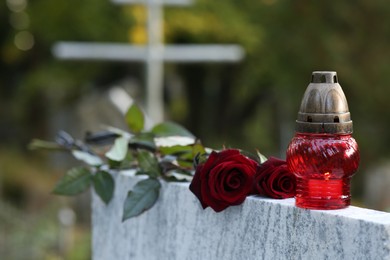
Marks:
<point>32,83</point>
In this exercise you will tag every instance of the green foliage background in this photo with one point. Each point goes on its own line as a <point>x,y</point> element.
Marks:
<point>248,105</point>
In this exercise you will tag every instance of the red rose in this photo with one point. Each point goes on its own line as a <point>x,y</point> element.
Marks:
<point>225,179</point>
<point>273,179</point>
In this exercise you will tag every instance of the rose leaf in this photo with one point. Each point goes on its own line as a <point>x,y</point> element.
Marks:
<point>171,129</point>
<point>198,148</point>
<point>88,158</point>
<point>148,163</point>
<point>143,140</point>
<point>41,144</point>
<point>75,181</point>
<point>175,150</point>
<point>200,159</point>
<point>141,198</point>
<point>119,150</point>
<point>135,119</point>
<point>262,158</point>
<point>104,185</point>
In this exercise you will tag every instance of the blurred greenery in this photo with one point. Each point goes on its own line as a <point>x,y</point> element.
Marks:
<point>29,223</point>
<point>248,105</point>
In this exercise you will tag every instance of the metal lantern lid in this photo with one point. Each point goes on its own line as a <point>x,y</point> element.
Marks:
<point>324,108</point>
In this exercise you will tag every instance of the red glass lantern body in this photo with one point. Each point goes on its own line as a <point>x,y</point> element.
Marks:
<point>323,165</point>
<point>323,155</point>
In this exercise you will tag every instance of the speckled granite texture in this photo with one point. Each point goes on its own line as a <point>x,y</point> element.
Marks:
<point>178,228</point>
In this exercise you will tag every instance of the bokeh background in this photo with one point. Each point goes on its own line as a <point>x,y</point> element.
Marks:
<point>250,105</point>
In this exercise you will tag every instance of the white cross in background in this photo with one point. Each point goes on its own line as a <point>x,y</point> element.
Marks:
<point>154,54</point>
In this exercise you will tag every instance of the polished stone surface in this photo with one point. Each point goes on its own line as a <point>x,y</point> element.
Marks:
<point>178,228</point>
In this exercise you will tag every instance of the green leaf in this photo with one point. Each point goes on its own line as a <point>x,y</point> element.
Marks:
<point>251,156</point>
<point>140,172</point>
<point>117,131</point>
<point>171,129</point>
<point>75,181</point>
<point>41,144</point>
<point>129,161</point>
<point>141,198</point>
<point>198,148</point>
<point>143,140</point>
<point>200,159</point>
<point>148,163</point>
<point>177,149</point>
<point>104,185</point>
<point>188,164</point>
<point>262,158</point>
<point>119,150</point>
<point>114,164</point>
<point>88,158</point>
<point>135,119</point>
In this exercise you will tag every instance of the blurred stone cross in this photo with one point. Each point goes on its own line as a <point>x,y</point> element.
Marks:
<point>153,54</point>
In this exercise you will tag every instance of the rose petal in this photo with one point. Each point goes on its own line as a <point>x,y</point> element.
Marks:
<point>233,181</point>
<point>195,185</point>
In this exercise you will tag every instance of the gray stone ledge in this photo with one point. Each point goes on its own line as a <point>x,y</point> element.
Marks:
<point>178,228</point>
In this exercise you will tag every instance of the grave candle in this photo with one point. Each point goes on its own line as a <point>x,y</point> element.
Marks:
<point>322,154</point>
